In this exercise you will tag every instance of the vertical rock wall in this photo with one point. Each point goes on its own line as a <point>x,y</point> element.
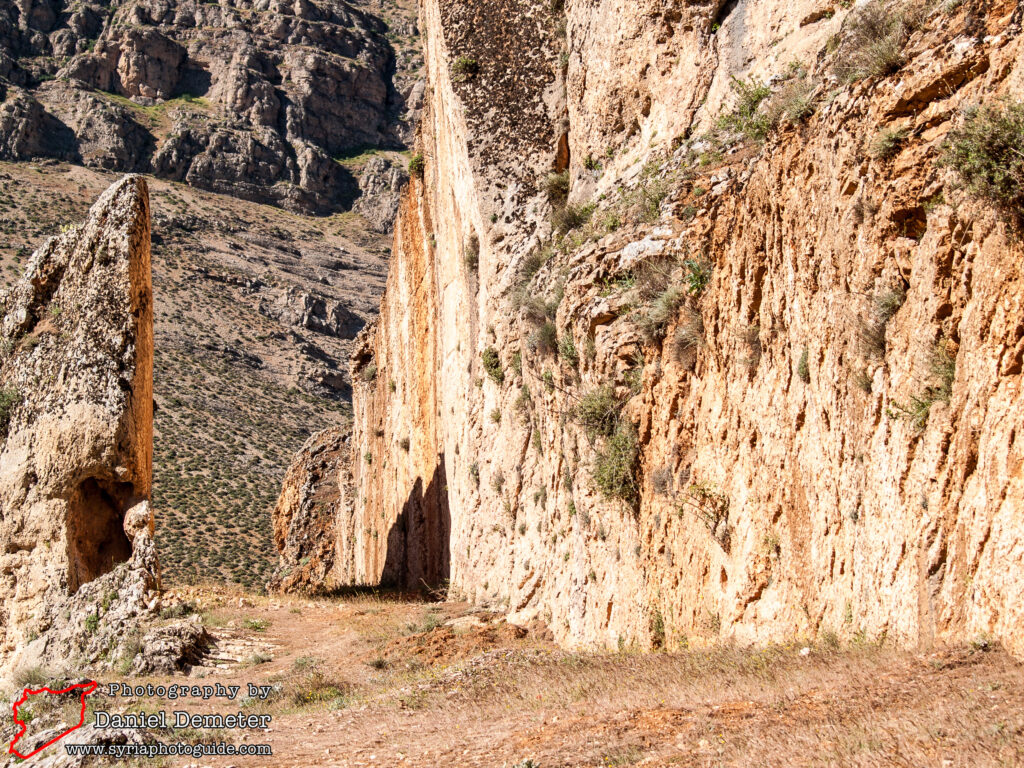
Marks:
<point>76,444</point>
<point>781,486</point>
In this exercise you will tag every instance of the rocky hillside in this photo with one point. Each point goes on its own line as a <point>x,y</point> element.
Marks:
<point>717,321</point>
<point>265,101</point>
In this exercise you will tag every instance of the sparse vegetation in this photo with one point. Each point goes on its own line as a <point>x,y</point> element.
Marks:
<point>9,399</point>
<point>472,253</point>
<point>872,331</point>
<point>987,153</point>
<point>942,371</point>
<point>492,365</point>
<point>598,411</point>
<point>874,37</point>
<point>746,117</point>
<point>689,337</point>
<point>557,186</point>
<point>802,368</point>
<point>567,350</point>
<point>888,142</point>
<point>464,68</point>
<point>417,165</point>
<point>697,274</point>
<point>615,464</point>
<point>661,313</point>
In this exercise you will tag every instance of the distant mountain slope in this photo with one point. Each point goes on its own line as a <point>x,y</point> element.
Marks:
<point>261,100</point>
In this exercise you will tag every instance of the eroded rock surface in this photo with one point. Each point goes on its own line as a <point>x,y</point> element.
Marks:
<point>768,469</point>
<point>76,444</point>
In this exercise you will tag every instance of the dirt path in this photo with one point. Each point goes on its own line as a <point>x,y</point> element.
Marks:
<point>374,682</point>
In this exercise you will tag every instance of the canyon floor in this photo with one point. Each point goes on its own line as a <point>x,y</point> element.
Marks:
<point>378,679</point>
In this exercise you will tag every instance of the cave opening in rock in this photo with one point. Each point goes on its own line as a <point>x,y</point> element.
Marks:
<point>96,539</point>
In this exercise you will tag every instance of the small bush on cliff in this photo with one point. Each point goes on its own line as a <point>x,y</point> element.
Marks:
<point>888,142</point>
<point>567,350</point>
<point>465,68</point>
<point>473,253</point>
<point>987,152</point>
<point>661,313</point>
<point>697,273</point>
<point>544,340</point>
<point>492,364</point>
<point>569,217</point>
<point>615,465</point>
<point>9,398</point>
<point>803,370</point>
<point>598,411</point>
<point>746,117</point>
<point>875,35</point>
<point>942,370</point>
<point>689,338</point>
<point>557,186</point>
<point>873,328</point>
<point>417,166</point>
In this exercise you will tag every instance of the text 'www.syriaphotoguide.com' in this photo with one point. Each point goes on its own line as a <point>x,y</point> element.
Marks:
<point>167,750</point>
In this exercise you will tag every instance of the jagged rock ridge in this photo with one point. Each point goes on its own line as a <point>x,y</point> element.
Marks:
<point>76,448</point>
<point>252,99</point>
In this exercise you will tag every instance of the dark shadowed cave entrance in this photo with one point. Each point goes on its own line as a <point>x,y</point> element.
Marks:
<point>96,539</point>
<point>418,554</point>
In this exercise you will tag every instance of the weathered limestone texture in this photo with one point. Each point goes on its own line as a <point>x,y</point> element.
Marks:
<point>76,448</point>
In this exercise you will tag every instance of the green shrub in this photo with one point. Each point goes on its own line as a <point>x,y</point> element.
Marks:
<point>492,365</point>
<point>567,350</point>
<point>369,373</point>
<point>986,152</point>
<point>464,68</point>
<point>417,165</point>
<point>615,464</point>
<point>697,274</point>
<point>472,255</point>
<point>874,38</point>
<point>9,399</point>
<point>803,370</point>
<point>746,117</point>
<point>598,411</point>
<point>657,626</point>
<point>888,142</point>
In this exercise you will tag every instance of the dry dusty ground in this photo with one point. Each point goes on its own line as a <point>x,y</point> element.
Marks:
<point>379,680</point>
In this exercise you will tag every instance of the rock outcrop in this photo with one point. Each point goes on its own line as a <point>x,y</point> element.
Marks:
<point>749,370</point>
<point>76,437</point>
<point>249,99</point>
<point>305,515</point>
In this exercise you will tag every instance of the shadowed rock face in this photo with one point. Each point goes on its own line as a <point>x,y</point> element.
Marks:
<point>248,99</point>
<point>76,444</point>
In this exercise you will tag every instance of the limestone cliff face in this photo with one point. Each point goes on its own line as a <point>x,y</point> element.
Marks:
<point>757,388</point>
<point>76,444</point>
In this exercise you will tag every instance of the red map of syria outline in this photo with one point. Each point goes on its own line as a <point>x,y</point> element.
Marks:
<point>87,688</point>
